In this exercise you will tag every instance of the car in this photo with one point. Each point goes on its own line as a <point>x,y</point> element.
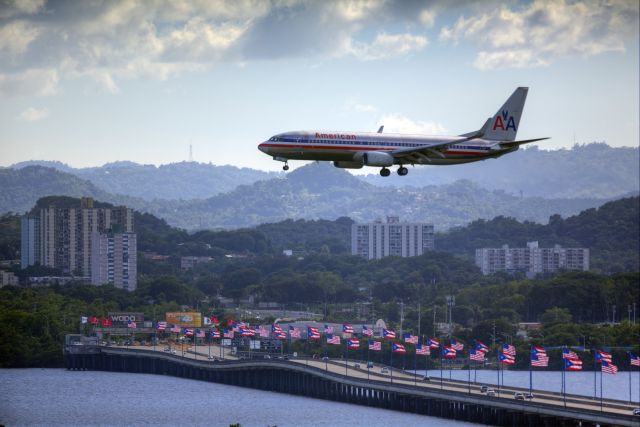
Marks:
<point>266,356</point>
<point>325,359</point>
<point>425,378</point>
<point>491,392</point>
<point>369,365</point>
<point>518,396</point>
<point>384,371</point>
<point>636,412</point>
<point>173,352</point>
<point>210,358</point>
<point>356,365</point>
<point>484,388</point>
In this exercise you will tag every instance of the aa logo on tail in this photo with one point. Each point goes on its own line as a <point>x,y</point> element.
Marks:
<point>500,121</point>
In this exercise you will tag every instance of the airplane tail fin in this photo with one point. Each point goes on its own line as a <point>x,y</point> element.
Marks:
<point>503,126</point>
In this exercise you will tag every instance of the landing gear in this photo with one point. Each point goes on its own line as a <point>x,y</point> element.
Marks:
<point>385,172</point>
<point>285,167</point>
<point>402,171</point>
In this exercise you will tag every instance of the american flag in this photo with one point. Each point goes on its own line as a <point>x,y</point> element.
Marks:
<point>131,324</point>
<point>375,345</point>
<point>177,329</point>
<point>482,347</point>
<point>328,329</point>
<point>367,331</point>
<point>539,357</point>
<point>387,333</point>
<point>353,343</point>
<point>263,332</point>
<point>458,346</point>
<point>410,339</point>
<point>602,356</point>
<point>568,354</point>
<point>199,333</point>
<point>214,333</point>
<point>333,339</point>
<point>422,350</point>
<point>188,332</point>
<point>347,329</point>
<point>608,367</point>
<point>433,343</point>
<point>276,328</point>
<point>509,349</point>
<point>572,364</point>
<point>294,332</point>
<point>635,360</point>
<point>228,333</point>
<point>506,359</point>
<point>161,326</point>
<point>476,355</point>
<point>448,352</point>
<point>313,333</point>
<point>398,348</point>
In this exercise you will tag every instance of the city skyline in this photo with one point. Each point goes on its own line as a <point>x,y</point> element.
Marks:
<point>131,81</point>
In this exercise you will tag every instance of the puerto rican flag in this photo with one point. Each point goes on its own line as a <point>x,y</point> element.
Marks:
<point>294,332</point>
<point>608,367</point>
<point>333,339</point>
<point>313,333</point>
<point>476,355</point>
<point>161,326</point>
<point>601,356</point>
<point>568,354</point>
<point>433,343</point>
<point>448,352</point>
<point>423,350</point>
<point>328,329</point>
<point>246,332</point>
<point>410,339</point>
<point>131,324</point>
<point>275,328</point>
<point>571,364</point>
<point>482,347</point>
<point>635,360</point>
<point>188,332</point>
<point>458,346</point>
<point>506,359</point>
<point>214,333</point>
<point>539,357</point>
<point>366,331</point>
<point>353,343</point>
<point>396,347</point>
<point>279,335</point>
<point>375,345</point>
<point>347,329</point>
<point>388,333</point>
<point>509,349</point>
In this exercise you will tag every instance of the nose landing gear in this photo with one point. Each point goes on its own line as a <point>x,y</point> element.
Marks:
<point>285,167</point>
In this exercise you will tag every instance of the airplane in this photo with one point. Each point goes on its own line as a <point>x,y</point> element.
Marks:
<point>353,150</point>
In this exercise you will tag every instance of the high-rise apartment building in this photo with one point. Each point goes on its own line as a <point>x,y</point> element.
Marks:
<point>61,237</point>
<point>113,260</point>
<point>393,238</point>
<point>532,259</point>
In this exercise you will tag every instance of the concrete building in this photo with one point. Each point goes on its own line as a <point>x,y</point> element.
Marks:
<point>113,260</point>
<point>532,259</point>
<point>188,262</point>
<point>7,278</point>
<point>393,238</point>
<point>61,237</point>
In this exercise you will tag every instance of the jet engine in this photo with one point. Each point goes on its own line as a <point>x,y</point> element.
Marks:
<point>348,165</point>
<point>375,158</point>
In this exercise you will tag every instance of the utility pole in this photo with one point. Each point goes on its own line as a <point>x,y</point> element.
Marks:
<point>494,333</point>
<point>419,312</point>
<point>401,316</point>
<point>434,320</point>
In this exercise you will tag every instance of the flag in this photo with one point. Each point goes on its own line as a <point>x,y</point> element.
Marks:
<point>458,346</point>
<point>83,319</point>
<point>568,354</point>
<point>161,326</point>
<point>433,343</point>
<point>214,333</point>
<point>410,339</point>
<point>187,332</point>
<point>246,332</point>
<point>353,343</point>
<point>294,332</point>
<point>206,320</point>
<point>375,345</point>
<point>448,352</point>
<point>280,335</point>
<point>635,360</point>
<point>476,355</point>
<point>422,350</point>
<point>106,323</point>
<point>602,356</point>
<point>347,329</point>
<point>539,357</point>
<point>398,348</point>
<point>366,331</point>
<point>572,364</point>
<point>230,322</point>
<point>313,333</point>
<point>480,346</point>
<point>93,320</point>
<point>228,333</point>
<point>199,333</point>
<point>608,367</point>
<point>215,320</point>
<point>328,329</point>
<point>276,328</point>
<point>177,329</point>
<point>509,349</point>
<point>263,332</point>
<point>333,339</point>
<point>387,333</point>
<point>131,324</point>
<point>506,359</point>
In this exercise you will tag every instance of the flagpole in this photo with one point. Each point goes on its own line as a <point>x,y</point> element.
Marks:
<point>441,373</point>
<point>564,396</point>
<point>601,409</point>
<point>530,372</point>
<point>629,354</point>
<point>368,369</point>
<point>595,376</point>
<point>415,367</point>
<point>391,363</point>
<point>469,372</point>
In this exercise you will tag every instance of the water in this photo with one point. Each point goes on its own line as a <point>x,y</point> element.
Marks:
<point>56,397</point>
<point>580,383</point>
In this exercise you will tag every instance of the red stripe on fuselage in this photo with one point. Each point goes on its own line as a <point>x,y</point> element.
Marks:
<point>352,148</point>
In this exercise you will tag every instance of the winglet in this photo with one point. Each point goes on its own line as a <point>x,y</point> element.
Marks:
<point>380,129</point>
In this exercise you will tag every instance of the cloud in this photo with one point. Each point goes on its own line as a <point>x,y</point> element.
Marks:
<point>386,46</point>
<point>353,104</point>
<point>11,8</point>
<point>40,82</point>
<point>543,31</point>
<point>33,114</point>
<point>396,123</point>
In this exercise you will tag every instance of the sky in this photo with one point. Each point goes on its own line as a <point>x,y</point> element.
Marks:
<point>92,82</point>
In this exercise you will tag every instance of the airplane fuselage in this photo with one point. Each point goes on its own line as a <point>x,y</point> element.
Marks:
<point>351,146</point>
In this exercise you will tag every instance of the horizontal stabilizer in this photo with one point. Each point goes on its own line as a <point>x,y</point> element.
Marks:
<point>509,144</point>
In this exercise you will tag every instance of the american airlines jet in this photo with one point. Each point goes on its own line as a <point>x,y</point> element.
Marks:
<point>353,150</point>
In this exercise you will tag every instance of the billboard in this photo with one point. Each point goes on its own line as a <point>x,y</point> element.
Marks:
<point>121,319</point>
<point>185,319</point>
